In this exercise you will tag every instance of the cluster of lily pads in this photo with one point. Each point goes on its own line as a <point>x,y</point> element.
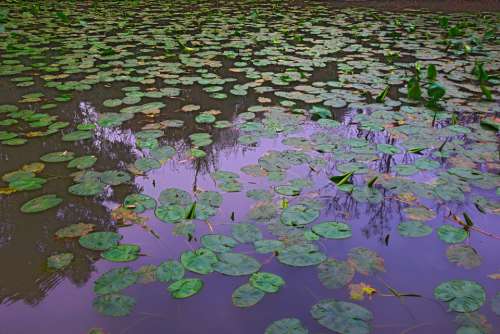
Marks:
<point>418,96</point>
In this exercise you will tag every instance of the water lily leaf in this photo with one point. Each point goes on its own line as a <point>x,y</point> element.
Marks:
<point>115,280</point>
<point>342,317</point>
<point>495,303</point>
<point>451,234</point>
<point>297,215</point>
<point>171,213</point>
<point>267,282</point>
<point>414,229</point>
<point>463,256</point>
<point>287,190</point>
<point>200,261</point>
<point>185,287</point>
<point>174,196</point>
<point>461,295</point>
<point>58,156</point>
<point>247,295</point>
<point>59,261</point>
<point>114,177</point>
<point>235,264</point>
<point>210,198</point>
<point>267,246</point>
<point>333,230</point>
<point>100,241</point>
<point>122,253</point>
<point>114,305</point>
<point>41,203</point>
<point>218,243</point>
<point>139,202</point>
<point>169,271</point>
<point>366,261</point>
<point>301,255</point>
<point>146,274</point>
<point>83,162</point>
<point>146,164</point>
<point>163,153</point>
<point>335,274</point>
<point>246,233</point>
<point>24,184</point>
<point>286,326</point>
<point>77,135</point>
<point>87,188</point>
<point>74,230</point>
<point>262,211</point>
<point>420,213</point>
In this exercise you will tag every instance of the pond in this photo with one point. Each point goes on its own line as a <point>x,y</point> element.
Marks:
<point>248,167</point>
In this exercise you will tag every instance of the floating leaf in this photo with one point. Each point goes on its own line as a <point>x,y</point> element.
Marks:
<point>235,264</point>
<point>333,230</point>
<point>185,287</point>
<point>246,233</point>
<point>414,229</point>
<point>301,255</point>
<point>450,234</point>
<point>59,261</point>
<point>247,295</point>
<point>100,241</point>
<point>169,271</point>
<point>122,253</point>
<point>297,215</point>
<point>286,326</point>
<point>461,295</point>
<point>366,261</point>
<point>463,256</point>
<point>200,261</point>
<point>114,305</point>
<point>41,203</point>
<point>335,274</point>
<point>218,243</point>
<point>74,230</point>
<point>342,317</point>
<point>115,280</point>
<point>267,282</point>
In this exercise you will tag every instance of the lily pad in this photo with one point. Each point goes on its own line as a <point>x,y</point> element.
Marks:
<point>342,317</point>
<point>100,241</point>
<point>461,295</point>
<point>333,230</point>
<point>247,295</point>
<point>114,305</point>
<point>115,280</point>
<point>185,287</point>
<point>122,253</point>
<point>286,326</point>
<point>267,282</point>
<point>169,271</point>
<point>41,203</point>
<point>335,274</point>
<point>235,264</point>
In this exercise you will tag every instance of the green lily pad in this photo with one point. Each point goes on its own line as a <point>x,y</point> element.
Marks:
<point>185,287</point>
<point>461,295</point>
<point>335,274</point>
<point>463,256</point>
<point>74,230</point>
<point>122,253</point>
<point>297,215</point>
<point>246,233</point>
<point>114,305</point>
<point>286,326</point>
<point>218,243</point>
<point>139,202</point>
<point>301,255</point>
<point>41,203</point>
<point>59,261</point>
<point>58,156</point>
<point>342,317</point>
<point>235,264</point>
<point>366,261</point>
<point>169,271</point>
<point>246,296</point>
<point>115,280</point>
<point>414,229</point>
<point>451,234</point>
<point>114,177</point>
<point>267,282</point>
<point>100,241</point>
<point>200,261</point>
<point>333,230</point>
<point>83,162</point>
